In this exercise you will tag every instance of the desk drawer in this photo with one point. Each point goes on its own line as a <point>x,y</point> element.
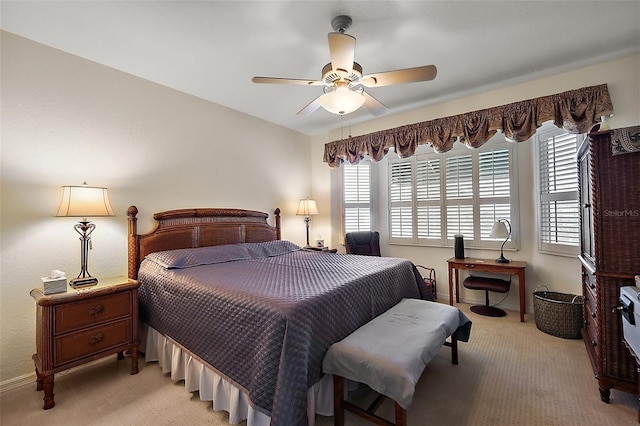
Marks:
<point>91,341</point>
<point>76,315</point>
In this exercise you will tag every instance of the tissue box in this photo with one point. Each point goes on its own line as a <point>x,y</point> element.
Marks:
<point>54,285</point>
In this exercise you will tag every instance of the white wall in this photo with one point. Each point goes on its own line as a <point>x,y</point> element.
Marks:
<point>66,120</point>
<point>558,273</point>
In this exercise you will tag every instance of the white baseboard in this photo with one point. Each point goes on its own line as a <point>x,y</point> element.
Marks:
<point>17,382</point>
<point>30,378</point>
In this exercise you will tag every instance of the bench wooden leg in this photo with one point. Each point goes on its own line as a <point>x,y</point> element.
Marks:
<point>338,395</point>
<point>339,405</point>
<point>401,416</point>
<point>453,344</point>
<point>454,348</point>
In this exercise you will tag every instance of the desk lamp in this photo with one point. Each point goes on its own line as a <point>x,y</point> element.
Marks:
<point>499,230</point>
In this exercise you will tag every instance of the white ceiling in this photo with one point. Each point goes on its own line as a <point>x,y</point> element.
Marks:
<point>211,49</point>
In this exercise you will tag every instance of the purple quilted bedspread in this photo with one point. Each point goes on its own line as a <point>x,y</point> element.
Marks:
<point>264,314</point>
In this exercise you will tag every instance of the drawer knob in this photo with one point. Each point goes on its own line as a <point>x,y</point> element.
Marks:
<point>94,311</point>
<point>94,340</point>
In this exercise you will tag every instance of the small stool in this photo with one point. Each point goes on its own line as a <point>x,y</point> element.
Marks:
<point>487,284</point>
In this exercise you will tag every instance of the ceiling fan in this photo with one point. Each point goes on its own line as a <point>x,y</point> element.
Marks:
<point>343,83</point>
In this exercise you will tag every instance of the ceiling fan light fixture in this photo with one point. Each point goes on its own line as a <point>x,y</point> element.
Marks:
<point>342,100</point>
<point>342,80</point>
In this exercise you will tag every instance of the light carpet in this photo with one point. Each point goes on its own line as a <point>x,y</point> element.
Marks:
<point>509,373</point>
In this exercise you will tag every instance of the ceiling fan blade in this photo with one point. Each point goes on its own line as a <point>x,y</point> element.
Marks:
<point>342,48</point>
<point>407,75</point>
<point>310,107</point>
<point>277,80</point>
<point>374,106</point>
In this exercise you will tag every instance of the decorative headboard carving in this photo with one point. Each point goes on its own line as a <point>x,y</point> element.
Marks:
<point>188,228</point>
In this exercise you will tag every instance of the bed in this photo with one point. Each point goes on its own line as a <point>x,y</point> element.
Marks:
<point>244,317</point>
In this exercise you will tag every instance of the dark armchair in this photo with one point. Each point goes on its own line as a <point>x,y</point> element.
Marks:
<point>363,242</point>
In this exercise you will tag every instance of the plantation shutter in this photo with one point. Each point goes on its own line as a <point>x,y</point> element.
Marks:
<point>429,222</point>
<point>401,200</point>
<point>357,197</point>
<point>459,195</point>
<point>494,189</point>
<point>434,196</point>
<point>559,213</point>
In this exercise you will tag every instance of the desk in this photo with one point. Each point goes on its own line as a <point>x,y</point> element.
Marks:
<point>486,265</point>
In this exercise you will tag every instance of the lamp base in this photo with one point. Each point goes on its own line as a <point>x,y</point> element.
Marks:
<point>83,282</point>
<point>502,259</point>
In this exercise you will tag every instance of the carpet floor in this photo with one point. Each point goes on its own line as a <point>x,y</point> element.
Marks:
<point>509,373</point>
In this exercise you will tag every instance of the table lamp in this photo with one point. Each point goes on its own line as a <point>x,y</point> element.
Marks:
<point>499,230</point>
<point>84,201</point>
<point>307,208</point>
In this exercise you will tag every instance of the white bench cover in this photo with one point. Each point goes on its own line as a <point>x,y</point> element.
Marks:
<point>390,352</point>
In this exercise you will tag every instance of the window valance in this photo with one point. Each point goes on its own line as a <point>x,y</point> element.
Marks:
<point>576,111</point>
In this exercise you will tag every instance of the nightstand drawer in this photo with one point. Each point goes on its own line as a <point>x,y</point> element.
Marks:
<point>91,341</point>
<point>77,315</point>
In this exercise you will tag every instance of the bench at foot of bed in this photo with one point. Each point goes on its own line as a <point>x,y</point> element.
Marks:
<point>390,353</point>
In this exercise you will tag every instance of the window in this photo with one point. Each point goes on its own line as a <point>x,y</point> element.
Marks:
<point>558,207</point>
<point>401,196</point>
<point>433,197</point>
<point>356,197</point>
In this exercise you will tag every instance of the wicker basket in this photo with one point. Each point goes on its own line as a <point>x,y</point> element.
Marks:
<point>430,281</point>
<point>558,314</point>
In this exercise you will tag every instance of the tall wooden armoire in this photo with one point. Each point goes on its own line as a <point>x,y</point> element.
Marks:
<point>610,249</point>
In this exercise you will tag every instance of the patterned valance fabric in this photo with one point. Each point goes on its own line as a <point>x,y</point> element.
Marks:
<point>576,111</point>
<point>625,141</point>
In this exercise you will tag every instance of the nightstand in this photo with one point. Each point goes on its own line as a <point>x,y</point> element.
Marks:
<point>82,325</point>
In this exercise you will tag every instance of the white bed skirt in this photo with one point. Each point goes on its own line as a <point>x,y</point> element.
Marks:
<point>198,376</point>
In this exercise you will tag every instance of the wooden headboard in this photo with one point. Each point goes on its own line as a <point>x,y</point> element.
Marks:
<point>188,228</point>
